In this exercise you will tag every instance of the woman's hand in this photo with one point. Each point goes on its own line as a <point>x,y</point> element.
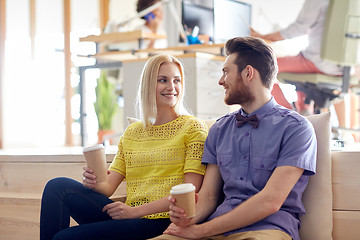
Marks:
<point>119,210</point>
<point>89,179</point>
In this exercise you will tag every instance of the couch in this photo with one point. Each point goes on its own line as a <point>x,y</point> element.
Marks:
<point>332,199</point>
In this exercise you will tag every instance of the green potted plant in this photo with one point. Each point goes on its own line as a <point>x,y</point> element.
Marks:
<point>105,105</point>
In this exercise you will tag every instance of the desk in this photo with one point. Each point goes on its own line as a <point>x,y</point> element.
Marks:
<point>116,59</point>
<point>118,37</point>
<point>215,49</point>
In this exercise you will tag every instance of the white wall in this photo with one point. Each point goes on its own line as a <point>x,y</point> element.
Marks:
<point>120,10</point>
<point>273,15</point>
<point>34,107</point>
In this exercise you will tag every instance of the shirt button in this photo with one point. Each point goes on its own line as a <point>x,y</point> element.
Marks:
<point>247,134</point>
<point>241,178</point>
<point>244,157</point>
<point>262,166</point>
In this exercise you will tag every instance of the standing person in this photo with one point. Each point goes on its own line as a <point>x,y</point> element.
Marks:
<point>258,158</point>
<point>162,150</point>
<point>153,23</point>
<point>310,21</point>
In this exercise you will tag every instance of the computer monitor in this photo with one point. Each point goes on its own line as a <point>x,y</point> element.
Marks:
<point>198,15</point>
<point>225,19</point>
<point>231,19</point>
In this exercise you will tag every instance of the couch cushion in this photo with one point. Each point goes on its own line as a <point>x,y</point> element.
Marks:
<point>317,222</point>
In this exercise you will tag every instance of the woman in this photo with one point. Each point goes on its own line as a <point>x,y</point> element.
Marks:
<point>162,150</point>
<point>153,23</point>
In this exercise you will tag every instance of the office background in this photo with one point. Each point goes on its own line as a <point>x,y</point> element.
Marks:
<point>39,103</point>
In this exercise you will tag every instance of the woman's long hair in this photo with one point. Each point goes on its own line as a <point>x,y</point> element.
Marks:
<point>146,97</point>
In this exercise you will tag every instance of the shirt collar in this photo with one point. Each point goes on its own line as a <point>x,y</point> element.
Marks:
<point>261,112</point>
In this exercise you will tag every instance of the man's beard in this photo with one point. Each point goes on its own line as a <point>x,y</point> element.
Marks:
<point>241,95</point>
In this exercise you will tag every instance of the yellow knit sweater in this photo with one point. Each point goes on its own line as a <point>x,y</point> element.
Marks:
<point>155,159</point>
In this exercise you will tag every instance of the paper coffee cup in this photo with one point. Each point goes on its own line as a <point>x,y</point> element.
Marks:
<point>96,160</point>
<point>185,198</point>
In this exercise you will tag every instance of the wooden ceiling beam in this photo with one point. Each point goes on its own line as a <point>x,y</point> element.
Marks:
<point>103,14</point>
<point>2,63</point>
<point>32,26</point>
<point>68,88</point>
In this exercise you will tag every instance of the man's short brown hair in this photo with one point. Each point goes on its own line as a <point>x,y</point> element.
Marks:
<point>255,52</point>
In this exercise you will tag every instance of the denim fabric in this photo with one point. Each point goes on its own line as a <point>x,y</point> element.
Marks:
<point>64,198</point>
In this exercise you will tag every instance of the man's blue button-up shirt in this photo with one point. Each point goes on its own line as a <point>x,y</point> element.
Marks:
<point>247,157</point>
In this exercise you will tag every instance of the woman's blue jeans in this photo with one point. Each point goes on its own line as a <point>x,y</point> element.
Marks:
<point>64,197</point>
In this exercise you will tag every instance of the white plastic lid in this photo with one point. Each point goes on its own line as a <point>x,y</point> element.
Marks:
<point>182,188</point>
<point>93,147</point>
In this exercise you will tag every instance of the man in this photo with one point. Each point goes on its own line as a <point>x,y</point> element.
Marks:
<point>259,158</point>
<point>310,22</point>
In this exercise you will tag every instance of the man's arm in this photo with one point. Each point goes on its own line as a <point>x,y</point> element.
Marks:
<point>273,37</point>
<point>266,202</point>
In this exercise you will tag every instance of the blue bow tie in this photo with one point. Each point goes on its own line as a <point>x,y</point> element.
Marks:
<point>241,120</point>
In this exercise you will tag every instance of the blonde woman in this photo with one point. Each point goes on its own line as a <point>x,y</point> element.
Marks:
<point>163,149</point>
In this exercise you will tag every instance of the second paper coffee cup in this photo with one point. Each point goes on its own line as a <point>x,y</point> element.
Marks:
<point>96,160</point>
<point>185,198</point>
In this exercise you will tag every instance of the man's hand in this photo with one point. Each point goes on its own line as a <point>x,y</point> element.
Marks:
<point>189,232</point>
<point>119,210</point>
<point>177,215</point>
